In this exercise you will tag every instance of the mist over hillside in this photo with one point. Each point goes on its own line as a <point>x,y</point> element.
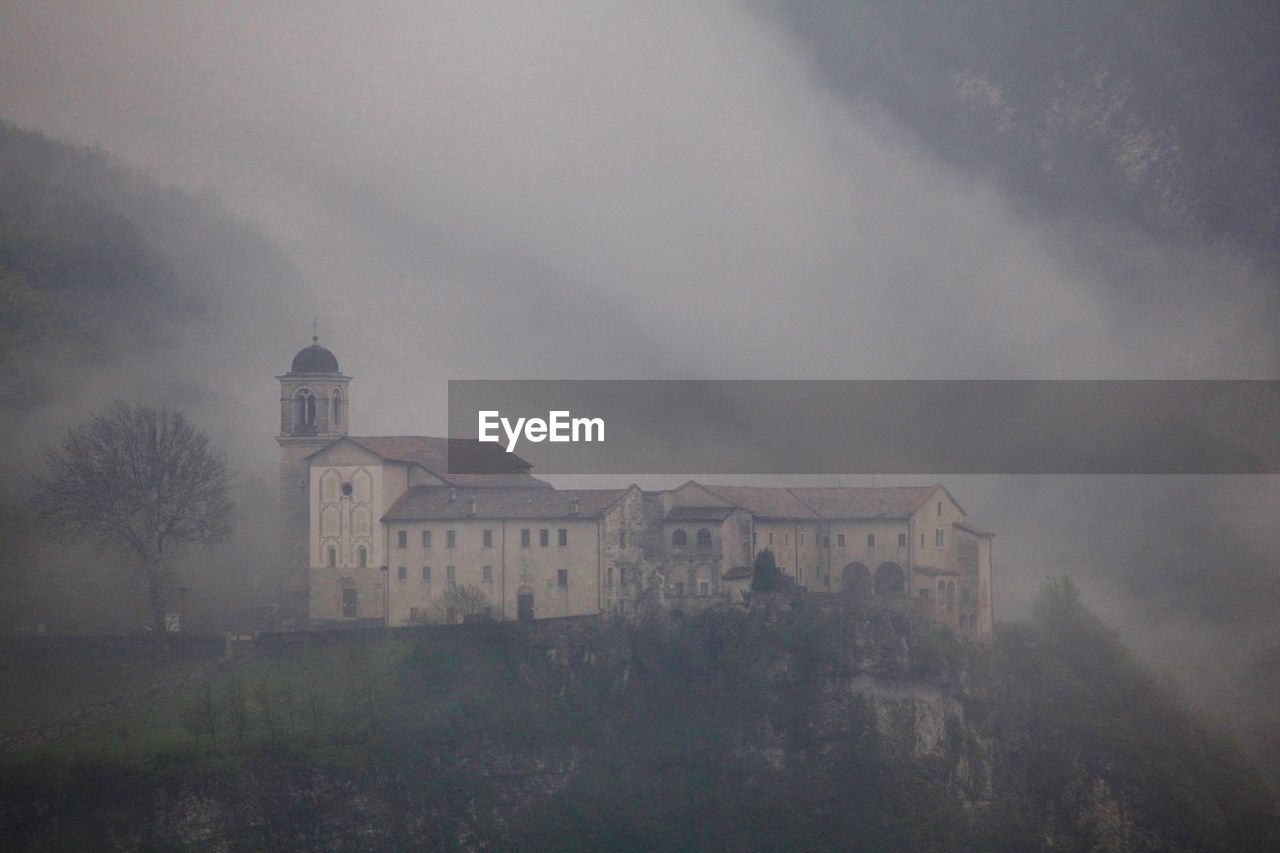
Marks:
<point>114,285</point>
<point>732,190</point>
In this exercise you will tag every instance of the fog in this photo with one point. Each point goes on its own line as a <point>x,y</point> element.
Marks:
<point>598,190</point>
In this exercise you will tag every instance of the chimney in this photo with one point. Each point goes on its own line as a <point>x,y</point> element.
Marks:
<point>471,508</point>
<point>453,494</point>
<point>573,504</point>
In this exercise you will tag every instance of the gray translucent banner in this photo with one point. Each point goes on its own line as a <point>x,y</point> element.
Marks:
<point>873,427</point>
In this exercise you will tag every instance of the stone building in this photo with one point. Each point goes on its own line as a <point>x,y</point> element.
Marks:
<point>375,529</point>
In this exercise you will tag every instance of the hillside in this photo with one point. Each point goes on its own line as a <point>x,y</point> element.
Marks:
<point>807,725</point>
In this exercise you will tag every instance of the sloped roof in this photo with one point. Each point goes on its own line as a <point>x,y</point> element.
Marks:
<point>698,513</point>
<point>500,469</point>
<point>424,503</point>
<point>866,502</point>
<point>738,573</point>
<point>765,501</point>
<point>969,528</point>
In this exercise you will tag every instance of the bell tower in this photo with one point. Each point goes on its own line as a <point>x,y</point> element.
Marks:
<point>314,408</point>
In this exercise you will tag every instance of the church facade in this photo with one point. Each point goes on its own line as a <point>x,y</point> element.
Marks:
<point>376,530</point>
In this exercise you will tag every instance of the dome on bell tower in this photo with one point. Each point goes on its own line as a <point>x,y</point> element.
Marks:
<point>313,360</point>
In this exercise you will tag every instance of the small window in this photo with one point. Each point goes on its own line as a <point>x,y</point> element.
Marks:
<point>826,541</point>
<point>402,539</point>
<point>902,540</point>
<point>786,539</point>
<point>362,557</point>
<point>801,539</point>
<point>871,540</point>
<point>488,574</point>
<point>544,537</point>
<point>426,539</point>
<point>770,537</point>
<point>346,490</point>
<point>609,578</point>
<point>704,588</point>
<point>939,509</point>
<point>622,538</point>
<point>402,573</point>
<point>488,539</point>
<point>839,540</point>
<point>426,574</point>
<point>937,537</point>
<point>679,589</point>
<point>753,539</point>
<point>562,537</point>
<point>622,576</point>
<point>922,539</point>
<point>562,577</point>
<point>800,575</point>
<point>679,539</point>
<point>704,539</point>
<point>524,538</point>
<point>333,557</point>
<point>451,539</point>
<point>449,575</point>
<point>349,607</point>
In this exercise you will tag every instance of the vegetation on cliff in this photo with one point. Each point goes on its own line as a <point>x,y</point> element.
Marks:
<point>796,725</point>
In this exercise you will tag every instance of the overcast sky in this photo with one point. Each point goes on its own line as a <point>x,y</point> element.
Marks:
<point>599,190</point>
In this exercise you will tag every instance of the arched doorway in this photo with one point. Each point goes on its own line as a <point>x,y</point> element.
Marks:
<point>524,604</point>
<point>855,579</point>
<point>890,579</point>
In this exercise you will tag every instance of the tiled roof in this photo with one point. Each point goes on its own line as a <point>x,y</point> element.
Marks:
<point>765,502</point>
<point>699,513</point>
<point>422,503</point>
<point>501,469</point>
<point>865,502</point>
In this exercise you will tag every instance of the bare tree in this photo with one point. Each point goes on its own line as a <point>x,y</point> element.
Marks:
<point>461,601</point>
<point>142,479</point>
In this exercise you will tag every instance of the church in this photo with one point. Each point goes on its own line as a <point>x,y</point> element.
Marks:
<point>376,530</point>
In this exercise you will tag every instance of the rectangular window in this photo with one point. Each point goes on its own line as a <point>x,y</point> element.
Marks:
<point>939,509</point>
<point>450,538</point>
<point>562,537</point>
<point>622,538</point>
<point>426,539</point>
<point>753,539</point>
<point>562,577</point>
<point>704,588</point>
<point>609,578</point>
<point>770,537</point>
<point>622,576</point>
<point>921,538</point>
<point>544,537</point>
<point>937,538</point>
<point>871,540</point>
<point>839,540</point>
<point>902,540</point>
<point>449,575</point>
<point>800,575</point>
<point>802,539</point>
<point>426,574</point>
<point>402,539</point>
<point>524,538</point>
<point>488,574</point>
<point>402,573</point>
<point>349,603</point>
<point>679,589</point>
<point>786,539</point>
<point>826,541</point>
<point>488,539</point>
